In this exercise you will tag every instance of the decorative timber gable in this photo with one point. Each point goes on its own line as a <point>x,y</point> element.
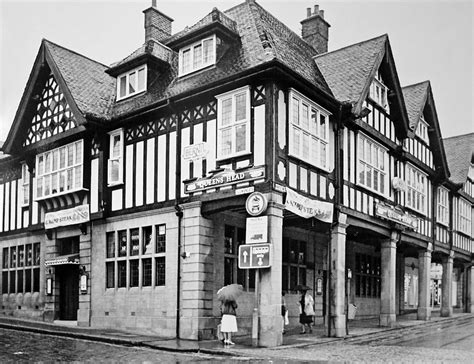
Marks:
<point>53,114</point>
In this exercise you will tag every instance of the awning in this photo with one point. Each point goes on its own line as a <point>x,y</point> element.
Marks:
<point>63,260</point>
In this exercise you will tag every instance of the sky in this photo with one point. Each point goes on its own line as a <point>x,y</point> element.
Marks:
<point>430,40</point>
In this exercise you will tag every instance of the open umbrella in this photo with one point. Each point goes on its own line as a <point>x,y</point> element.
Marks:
<point>230,292</point>
<point>301,287</point>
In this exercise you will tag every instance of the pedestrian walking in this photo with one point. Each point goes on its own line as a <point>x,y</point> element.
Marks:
<point>306,305</point>
<point>228,321</point>
<point>284,312</point>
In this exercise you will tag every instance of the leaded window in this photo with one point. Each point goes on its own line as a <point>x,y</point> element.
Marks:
<point>372,168</point>
<point>197,56</point>
<point>416,189</point>
<point>20,268</point>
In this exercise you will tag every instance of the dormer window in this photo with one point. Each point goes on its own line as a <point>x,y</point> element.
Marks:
<point>422,130</point>
<point>132,82</point>
<point>378,92</point>
<point>197,56</point>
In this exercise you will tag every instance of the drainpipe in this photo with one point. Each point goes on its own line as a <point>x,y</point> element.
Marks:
<point>179,214</point>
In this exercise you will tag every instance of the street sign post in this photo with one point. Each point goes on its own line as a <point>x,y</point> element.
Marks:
<point>254,256</point>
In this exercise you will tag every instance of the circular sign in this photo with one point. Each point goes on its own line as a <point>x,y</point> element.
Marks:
<point>256,204</point>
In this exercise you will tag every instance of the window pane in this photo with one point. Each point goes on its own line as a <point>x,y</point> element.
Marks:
<point>28,273</point>
<point>36,254</point>
<point>141,79</point>
<point>296,111</point>
<point>226,112</point>
<point>114,166</point>
<point>47,185</point>
<point>62,181</point>
<point>305,116</point>
<point>13,257</point>
<point>186,61</point>
<point>240,106</point>
<point>5,258</point>
<point>147,236</point>
<point>111,244</point>
<point>20,288</point>
<point>134,242</point>
<point>122,273</point>
<point>132,79</point>
<point>13,281</point>
<point>123,86</point>
<point>160,272</point>
<point>226,142</point>
<point>323,155</point>
<point>160,238</point>
<point>70,155</point>
<point>62,158</point>
<point>122,237</point>
<point>54,183</point>
<point>322,126</point>
<point>47,163</point>
<point>296,141</point>
<point>305,150</point>
<point>110,274</point>
<point>116,146</point>
<point>36,279</point>
<point>55,160</point>
<point>69,180</point>
<point>229,233</point>
<point>21,256</point>
<point>146,274</point>
<point>240,137</point>
<point>40,165</point>
<point>78,177</point>
<point>78,152</point>
<point>228,271</point>
<point>197,57</point>
<point>208,51</point>
<point>134,273</point>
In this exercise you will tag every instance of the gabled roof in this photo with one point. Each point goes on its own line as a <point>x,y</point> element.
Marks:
<point>460,154</point>
<point>89,91</point>
<point>349,72</point>
<point>415,100</point>
<point>419,101</point>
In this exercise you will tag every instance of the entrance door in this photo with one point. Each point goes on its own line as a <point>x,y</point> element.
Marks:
<point>68,276</point>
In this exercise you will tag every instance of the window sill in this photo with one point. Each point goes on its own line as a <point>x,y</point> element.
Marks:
<point>115,184</point>
<point>325,169</point>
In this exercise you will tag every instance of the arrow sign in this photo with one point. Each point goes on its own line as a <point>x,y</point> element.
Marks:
<point>252,256</point>
<point>245,253</point>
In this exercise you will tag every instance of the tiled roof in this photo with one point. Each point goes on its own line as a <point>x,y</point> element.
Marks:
<point>263,38</point>
<point>91,87</point>
<point>459,151</point>
<point>415,100</point>
<point>348,69</point>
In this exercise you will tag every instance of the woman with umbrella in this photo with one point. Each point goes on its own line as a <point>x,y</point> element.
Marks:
<point>306,308</point>
<point>228,296</point>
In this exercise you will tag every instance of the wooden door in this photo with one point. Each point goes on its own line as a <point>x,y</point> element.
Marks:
<point>68,276</point>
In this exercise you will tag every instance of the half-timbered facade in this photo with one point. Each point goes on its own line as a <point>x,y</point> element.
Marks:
<point>124,193</point>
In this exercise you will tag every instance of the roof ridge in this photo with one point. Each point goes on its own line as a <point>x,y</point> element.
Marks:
<point>427,82</point>
<point>46,41</point>
<point>459,136</point>
<point>385,35</point>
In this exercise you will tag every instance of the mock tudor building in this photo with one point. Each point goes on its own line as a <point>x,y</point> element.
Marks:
<point>125,192</point>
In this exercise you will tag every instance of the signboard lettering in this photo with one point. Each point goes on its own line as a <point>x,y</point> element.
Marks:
<point>224,178</point>
<point>195,152</point>
<point>395,215</point>
<point>76,215</point>
<point>307,207</point>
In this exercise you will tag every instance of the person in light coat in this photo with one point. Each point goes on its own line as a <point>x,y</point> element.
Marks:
<point>306,311</point>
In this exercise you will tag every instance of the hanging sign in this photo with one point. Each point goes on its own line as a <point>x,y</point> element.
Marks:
<point>307,207</point>
<point>224,178</point>
<point>256,204</point>
<point>396,215</point>
<point>76,215</point>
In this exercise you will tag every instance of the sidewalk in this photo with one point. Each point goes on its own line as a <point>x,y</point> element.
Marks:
<point>291,339</point>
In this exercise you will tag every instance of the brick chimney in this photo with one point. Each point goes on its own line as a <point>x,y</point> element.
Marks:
<point>157,24</point>
<point>316,30</point>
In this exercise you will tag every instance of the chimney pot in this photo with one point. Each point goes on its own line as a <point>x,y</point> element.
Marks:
<point>316,10</point>
<point>308,12</point>
<point>315,30</point>
<point>321,13</point>
<point>153,3</point>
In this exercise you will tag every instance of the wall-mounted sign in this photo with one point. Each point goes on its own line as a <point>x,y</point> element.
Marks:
<point>256,204</point>
<point>396,215</point>
<point>76,215</point>
<point>224,178</point>
<point>256,230</point>
<point>253,256</point>
<point>195,152</point>
<point>307,207</point>
<point>398,184</point>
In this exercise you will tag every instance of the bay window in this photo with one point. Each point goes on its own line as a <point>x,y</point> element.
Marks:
<point>233,123</point>
<point>372,165</point>
<point>309,131</point>
<point>59,170</point>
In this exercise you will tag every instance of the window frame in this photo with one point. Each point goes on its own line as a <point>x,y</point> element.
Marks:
<point>115,262</point>
<point>442,206</point>
<point>464,223</point>
<point>118,159</point>
<point>383,173</point>
<point>233,124</point>
<point>127,75</point>
<point>422,130</point>
<point>191,48</point>
<point>410,201</point>
<point>294,255</point>
<point>44,176</point>
<point>24,268</point>
<point>315,136</point>
<point>368,277</point>
<point>25,185</point>
<point>380,100</point>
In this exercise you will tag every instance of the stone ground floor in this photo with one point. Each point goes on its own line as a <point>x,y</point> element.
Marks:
<point>160,271</point>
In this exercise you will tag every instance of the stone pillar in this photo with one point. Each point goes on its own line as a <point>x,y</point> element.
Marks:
<point>270,332</point>
<point>447,286</point>
<point>197,321</point>
<point>337,292</point>
<point>387,294</point>
<point>470,289</point>
<point>424,283</point>
<point>84,311</point>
